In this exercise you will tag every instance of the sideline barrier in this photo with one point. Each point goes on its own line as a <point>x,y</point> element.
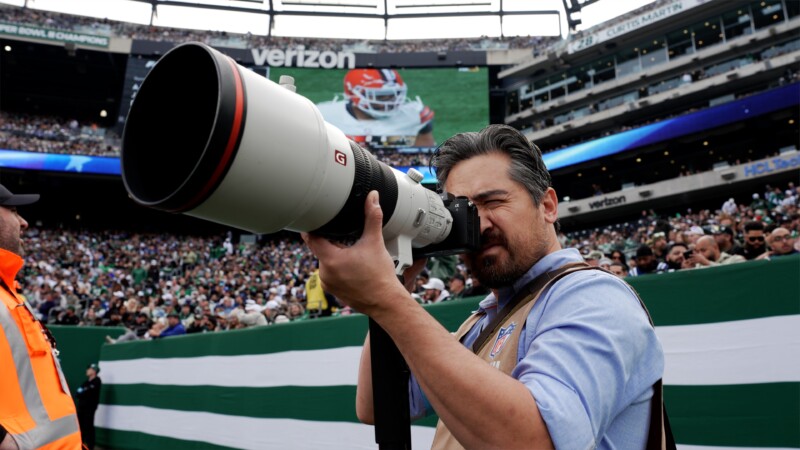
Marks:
<point>731,337</point>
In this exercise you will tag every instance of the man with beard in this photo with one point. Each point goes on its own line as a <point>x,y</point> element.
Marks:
<point>707,254</point>
<point>675,259</point>
<point>646,262</point>
<point>723,234</point>
<point>577,356</point>
<point>754,240</point>
<point>36,409</point>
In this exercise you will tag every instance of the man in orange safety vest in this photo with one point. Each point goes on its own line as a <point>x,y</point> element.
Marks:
<point>36,409</point>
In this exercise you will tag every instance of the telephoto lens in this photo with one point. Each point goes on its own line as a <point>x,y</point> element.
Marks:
<point>211,139</point>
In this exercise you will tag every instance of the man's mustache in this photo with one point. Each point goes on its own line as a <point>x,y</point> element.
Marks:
<point>492,237</point>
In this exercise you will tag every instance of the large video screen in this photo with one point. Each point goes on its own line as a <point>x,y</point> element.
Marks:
<point>388,108</point>
<point>379,108</point>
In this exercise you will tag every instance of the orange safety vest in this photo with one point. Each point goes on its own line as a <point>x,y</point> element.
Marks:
<point>36,408</point>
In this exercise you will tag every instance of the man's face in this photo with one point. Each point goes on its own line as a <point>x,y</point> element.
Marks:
<point>11,226</point>
<point>513,229</point>
<point>647,262</point>
<point>660,243</point>
<point>456,285</point>
<point>431,294</point>
<point>675,255</point>
<point>754,239</point>
<point>781,241</point>
<point>618,271</point>
<point>705,248</point>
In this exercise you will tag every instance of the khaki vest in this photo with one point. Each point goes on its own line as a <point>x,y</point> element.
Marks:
<point>500,350</point>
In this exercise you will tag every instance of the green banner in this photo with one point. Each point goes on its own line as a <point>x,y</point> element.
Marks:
<point>729,334</point>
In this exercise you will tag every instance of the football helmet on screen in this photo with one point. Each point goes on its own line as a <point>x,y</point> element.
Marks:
<point>377,92</point>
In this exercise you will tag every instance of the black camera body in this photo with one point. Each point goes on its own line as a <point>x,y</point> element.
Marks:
<point>465,235</point>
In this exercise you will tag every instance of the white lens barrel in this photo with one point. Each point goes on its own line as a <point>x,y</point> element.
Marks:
<point>292,171</point>
<point>208,138</point>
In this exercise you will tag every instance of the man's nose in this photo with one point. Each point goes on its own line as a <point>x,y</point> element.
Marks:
<point>486,221</point>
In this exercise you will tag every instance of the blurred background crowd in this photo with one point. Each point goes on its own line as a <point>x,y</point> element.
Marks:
<point>158,285</point>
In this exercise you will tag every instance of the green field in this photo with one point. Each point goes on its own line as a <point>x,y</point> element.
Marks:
<point>460,100</point>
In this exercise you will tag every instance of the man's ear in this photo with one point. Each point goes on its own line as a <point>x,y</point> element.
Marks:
<point>549,205</point>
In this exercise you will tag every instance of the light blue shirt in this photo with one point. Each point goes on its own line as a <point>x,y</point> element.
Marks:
<point>587,354</point>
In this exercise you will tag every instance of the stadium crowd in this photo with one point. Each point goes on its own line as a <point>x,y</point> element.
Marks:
<point>48,19</point>
<point>158,285</point>
<point>49,134</point>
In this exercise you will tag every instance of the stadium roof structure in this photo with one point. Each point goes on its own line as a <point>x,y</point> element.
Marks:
<point>359,19</point>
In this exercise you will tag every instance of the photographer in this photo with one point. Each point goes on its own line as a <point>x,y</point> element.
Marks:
<point>577,362</point>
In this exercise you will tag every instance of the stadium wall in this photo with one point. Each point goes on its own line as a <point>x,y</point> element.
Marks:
<point>730,335</point>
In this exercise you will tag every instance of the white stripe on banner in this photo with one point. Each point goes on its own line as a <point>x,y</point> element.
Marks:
<point>246,432</point>
<point>294,368</point>
<point>739,352</point>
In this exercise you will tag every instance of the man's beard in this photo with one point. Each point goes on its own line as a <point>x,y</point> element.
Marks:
<point>491,272</point>
<point>11,243</point>
<point>674,265</point>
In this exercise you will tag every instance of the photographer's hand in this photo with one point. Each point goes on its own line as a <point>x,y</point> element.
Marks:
<point>361,275</point>
<point>453,378</point>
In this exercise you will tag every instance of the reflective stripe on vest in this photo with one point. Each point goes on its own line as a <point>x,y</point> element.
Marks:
<point>46,431</point>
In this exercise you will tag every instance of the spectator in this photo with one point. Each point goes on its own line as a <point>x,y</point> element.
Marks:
<point>619,256</point>
<point>457,286</point>
<point>646,262</point>
<point>706,253</point>
<point>605,263</point>
<point>693,234</point>
<point>754,240</point>
<point>675,259</point>
<point>174,327</point>
<point>186,315</point>
<point>296,312</point>
<point>729,207</point>
<point>475,288</point>
<point>725,240</point>
<point>199,325</point>
<point>619,269</point>
<point>594,257</point>
<point>781,243</point>
<point>252,315</point>
<point>138,329</point>
<point>434,291</point>
<point>46,306</point>
<point>660,245</point>
<point>68,317</point>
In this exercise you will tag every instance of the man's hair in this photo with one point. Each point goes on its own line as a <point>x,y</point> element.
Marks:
<point>753,225</point>
<point>677,244</point>
<point>527,166</point>
<point>619,264</point>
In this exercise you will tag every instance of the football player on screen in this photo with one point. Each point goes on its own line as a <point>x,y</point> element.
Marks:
<point>378,112</point>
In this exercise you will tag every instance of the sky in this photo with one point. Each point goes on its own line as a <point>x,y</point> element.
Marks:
<point>422,28</point>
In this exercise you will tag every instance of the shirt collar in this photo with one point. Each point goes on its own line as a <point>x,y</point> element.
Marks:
<point>549,263</point>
